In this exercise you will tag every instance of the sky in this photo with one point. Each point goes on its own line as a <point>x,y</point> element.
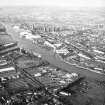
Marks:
<point>62,3</point>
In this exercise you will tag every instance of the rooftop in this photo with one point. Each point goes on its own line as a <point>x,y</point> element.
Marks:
<point>5,39</point>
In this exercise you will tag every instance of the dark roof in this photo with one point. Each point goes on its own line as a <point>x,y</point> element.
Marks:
<point>27,61</point>
<point>3,52</point>
<point>16,85</point>
<point>2,28</point>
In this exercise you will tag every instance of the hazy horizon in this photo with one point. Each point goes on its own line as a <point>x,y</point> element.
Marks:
<point>57,3</point>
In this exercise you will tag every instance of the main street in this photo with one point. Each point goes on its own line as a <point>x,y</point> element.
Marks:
<point>51,58</point>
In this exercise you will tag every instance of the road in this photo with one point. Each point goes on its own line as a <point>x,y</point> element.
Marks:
<point>51,58</point>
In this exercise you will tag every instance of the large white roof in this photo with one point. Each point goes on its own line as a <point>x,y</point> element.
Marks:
<point>7,69</point>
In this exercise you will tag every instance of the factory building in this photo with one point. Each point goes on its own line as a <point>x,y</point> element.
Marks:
<point>8,45</point>
<point>2,28</point>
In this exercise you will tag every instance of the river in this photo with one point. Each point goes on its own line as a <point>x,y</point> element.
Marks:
<point>52,58</point>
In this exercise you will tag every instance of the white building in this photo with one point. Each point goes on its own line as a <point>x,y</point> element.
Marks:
<point>57,45</point>
<point>28,35</point>
<point>16,28</point>
<point>31,37</point>
<point>62,51</point>
<point>37,54</point>
<point>100,58</point>
<point>98,51</point>
<point>99,69</point>
<point>3,62</point>
<point>8,44</point>
<point>24,34</point>
<point>67,42</point>
<point>50,45</point>
<point>83,56</point>
<point>7,69</point>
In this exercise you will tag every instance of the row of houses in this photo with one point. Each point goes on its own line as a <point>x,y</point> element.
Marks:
<point>38,28</point>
